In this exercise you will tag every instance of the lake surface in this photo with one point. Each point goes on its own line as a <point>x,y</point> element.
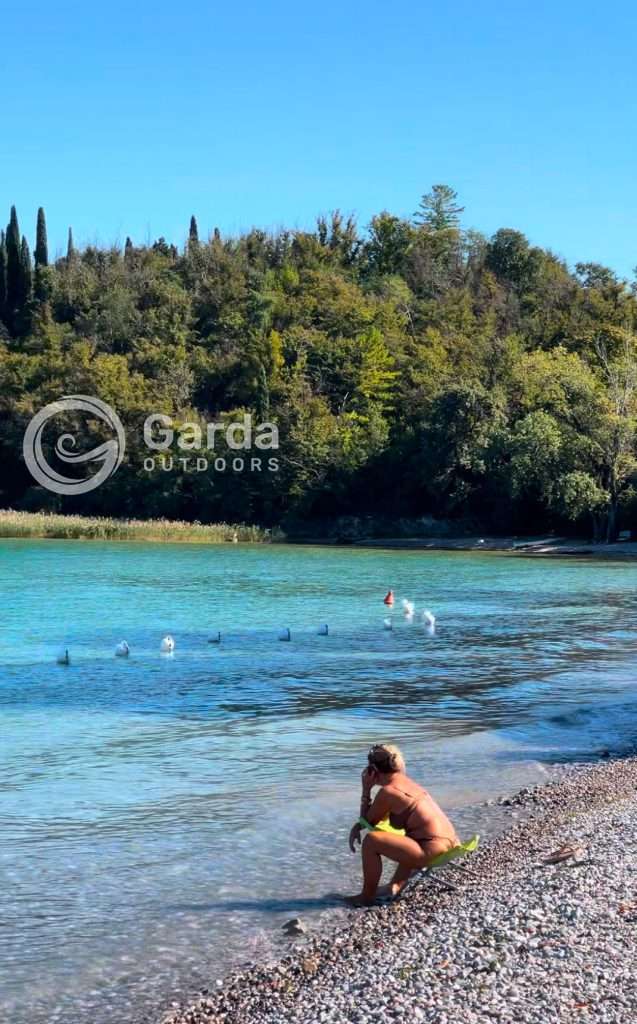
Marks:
<point>161,816</point>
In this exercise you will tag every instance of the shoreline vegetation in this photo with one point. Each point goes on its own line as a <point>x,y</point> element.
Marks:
<point>540,927</point>
<point>52,526</point>
<point>15,525</point>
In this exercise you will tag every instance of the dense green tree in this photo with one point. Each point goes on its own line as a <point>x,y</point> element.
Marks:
<point>439,210</point>
<point>41,253</point>
<point>15,287</point>
<point>478,378</point>
<point>3,277</point>
<point>511,258</point>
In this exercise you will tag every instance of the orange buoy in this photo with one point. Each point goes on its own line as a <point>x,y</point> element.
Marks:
<point>389,599</point>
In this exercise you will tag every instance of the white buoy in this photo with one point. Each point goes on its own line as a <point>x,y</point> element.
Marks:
<point>323,630</point>
<point>285,634</point>
<point>429,618</point>
<point>63,657</point>
<point>387,623</point>
<point>408,608</point>
<point>215,639</point>
<point>122,650</point>
<point>167,645</point>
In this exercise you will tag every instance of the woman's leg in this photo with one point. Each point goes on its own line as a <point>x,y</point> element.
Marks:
<point>406,852</point>
<point>398,881</point>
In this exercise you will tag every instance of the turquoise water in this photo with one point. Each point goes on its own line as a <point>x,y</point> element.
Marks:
<point>162,816</point>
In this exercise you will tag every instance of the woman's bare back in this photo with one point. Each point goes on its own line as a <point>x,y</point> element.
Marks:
<point>417,812</point>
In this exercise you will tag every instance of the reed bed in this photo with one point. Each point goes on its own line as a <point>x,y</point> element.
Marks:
<point>66,527</point>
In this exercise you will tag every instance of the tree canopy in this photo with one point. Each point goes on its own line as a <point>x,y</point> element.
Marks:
<point>478,379</point>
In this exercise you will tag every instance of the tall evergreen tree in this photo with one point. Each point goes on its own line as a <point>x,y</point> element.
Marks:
<point>41,245</point>
<point>3,277</point>
<point>128,249</point>
<point>193,234</point>
<point>70,248</point>
<point>439,209</point>
<point>14,270</point>
<point>26,287</point>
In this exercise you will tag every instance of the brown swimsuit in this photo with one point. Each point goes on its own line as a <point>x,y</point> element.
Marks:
<point>401,819</point>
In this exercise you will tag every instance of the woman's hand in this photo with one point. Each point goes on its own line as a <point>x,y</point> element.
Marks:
<point>367,780</point>
<point>355,836</point>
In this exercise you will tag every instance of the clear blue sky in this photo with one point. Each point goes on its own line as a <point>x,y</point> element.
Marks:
<point>126,117</point>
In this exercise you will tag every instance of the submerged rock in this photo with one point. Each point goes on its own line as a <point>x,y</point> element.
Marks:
<point>294,926</point>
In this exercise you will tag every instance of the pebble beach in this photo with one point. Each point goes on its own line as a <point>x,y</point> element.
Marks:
<point>541,926</point>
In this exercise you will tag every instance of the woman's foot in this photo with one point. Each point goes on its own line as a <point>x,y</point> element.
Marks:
<point>389,892</point>
<point>359,900</point>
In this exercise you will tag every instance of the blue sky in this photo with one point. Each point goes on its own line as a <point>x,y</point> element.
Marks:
<point>126,118</point>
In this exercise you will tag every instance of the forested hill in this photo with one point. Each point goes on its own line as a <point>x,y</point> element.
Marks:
<point>413,368</point>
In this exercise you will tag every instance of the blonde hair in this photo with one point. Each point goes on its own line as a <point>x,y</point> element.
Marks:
<point>386,758</point>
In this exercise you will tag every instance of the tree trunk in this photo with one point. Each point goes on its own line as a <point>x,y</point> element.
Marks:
<point>611,521</point>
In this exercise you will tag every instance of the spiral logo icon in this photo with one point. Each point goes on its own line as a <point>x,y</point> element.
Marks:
<point>109,454</point>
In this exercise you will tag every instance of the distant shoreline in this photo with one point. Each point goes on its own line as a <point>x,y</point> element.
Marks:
<point>16,525</point>
<point>535,546</point>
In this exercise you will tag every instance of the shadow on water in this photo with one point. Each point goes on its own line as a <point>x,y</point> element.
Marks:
<point>266,906</point>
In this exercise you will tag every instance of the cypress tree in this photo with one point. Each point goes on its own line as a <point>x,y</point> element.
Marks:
<point>41,245</point>
<point>193,234</point>
<point>3,277</point>
<point>128,250</point>
<point>26,275</point>
<point>70,248</point>
<point>14,270</point>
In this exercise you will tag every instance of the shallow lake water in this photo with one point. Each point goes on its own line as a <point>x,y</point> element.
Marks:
<point>161,816</point>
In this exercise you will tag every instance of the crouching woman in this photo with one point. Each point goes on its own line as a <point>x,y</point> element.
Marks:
<point>419,830</point>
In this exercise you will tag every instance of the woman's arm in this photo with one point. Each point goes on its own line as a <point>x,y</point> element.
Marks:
<point>375,811</point>
<point>379,808</point>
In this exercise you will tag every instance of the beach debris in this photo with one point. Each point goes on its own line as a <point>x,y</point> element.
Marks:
<point>569,851</point>
<point>167,645</point>
<point>294,926</point>
<point>63,657</point>
<point>122,650</point>
<point>310,965</point>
